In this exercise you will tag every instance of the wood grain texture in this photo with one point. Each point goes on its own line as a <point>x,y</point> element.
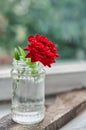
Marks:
<point>66,107</point>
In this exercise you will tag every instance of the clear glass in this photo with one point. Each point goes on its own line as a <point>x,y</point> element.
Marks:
<point>28,94</point>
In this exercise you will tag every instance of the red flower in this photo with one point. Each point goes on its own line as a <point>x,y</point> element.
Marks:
<point>41,49</point>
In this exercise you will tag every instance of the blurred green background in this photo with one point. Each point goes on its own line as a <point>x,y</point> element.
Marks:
<point>62,21</point>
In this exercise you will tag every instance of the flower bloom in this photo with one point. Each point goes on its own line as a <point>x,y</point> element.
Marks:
<point>41,49</point>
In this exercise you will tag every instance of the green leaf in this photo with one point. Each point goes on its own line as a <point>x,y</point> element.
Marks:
<point>22,53</point>
<point>31,64</point>
<point>28,61</point>
<point>16,54</point>
<point>34,71</point>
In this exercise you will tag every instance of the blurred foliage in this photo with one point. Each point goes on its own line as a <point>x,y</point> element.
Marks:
<point>62,21</point>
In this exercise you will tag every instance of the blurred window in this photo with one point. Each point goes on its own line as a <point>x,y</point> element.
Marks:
<point>62,21</point>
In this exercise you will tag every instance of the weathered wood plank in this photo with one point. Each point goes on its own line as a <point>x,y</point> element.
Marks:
<point>65,107</point>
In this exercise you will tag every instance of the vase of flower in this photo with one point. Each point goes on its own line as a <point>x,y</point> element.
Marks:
<point>28,96</point>
<point>28,74</point>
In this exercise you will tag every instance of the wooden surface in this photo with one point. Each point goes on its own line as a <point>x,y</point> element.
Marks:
<point>66,107</point>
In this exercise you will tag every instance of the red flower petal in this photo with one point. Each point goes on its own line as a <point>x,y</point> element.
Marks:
<point>41,49</point>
